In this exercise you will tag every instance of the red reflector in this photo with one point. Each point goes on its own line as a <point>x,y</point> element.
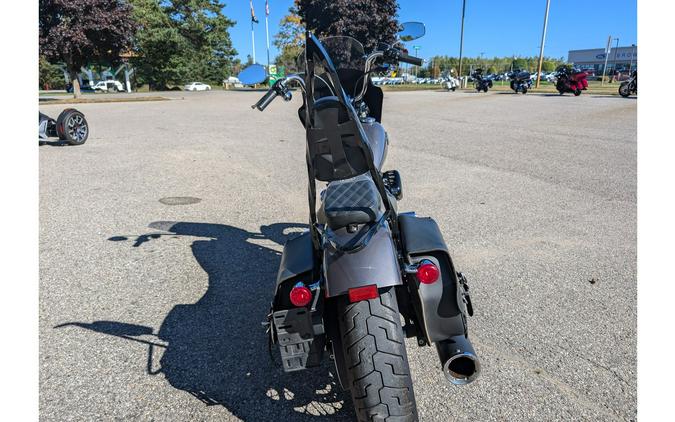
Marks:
<point>428,273</point>
<point>363,293</point>
<point>300,296</point>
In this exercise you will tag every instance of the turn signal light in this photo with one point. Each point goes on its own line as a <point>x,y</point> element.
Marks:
<point>428,273</point>
<point>300,295</point>
<point>363,293</point>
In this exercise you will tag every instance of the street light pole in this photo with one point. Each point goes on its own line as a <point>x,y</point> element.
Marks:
<point>543,40</point>
<point>461,39</point>
<point>632,56</point>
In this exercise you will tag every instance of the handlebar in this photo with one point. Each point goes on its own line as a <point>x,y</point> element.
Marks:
<point>266,99</point>
<point>405,58</point>
<point>280,87</point>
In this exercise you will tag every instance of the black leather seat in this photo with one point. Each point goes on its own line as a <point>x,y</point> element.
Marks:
<point>352,201</point>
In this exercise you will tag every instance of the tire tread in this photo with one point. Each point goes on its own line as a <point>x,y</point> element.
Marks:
<point>378,370</point>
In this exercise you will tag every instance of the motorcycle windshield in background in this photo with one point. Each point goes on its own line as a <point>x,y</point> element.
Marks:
<point>348,58</point>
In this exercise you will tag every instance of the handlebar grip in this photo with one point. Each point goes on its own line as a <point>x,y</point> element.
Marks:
<point>416,61</point>
<point>266,99</point>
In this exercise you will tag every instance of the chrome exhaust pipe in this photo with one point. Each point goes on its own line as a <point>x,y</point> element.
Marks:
<point>460,363</point>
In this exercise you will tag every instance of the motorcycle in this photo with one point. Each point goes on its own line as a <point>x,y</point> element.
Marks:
<point>364,276</point>
<point>480,82</point>
<point>629,86</point>
<point>520,81</point>
<point>451,82</point>
<point>570,80</point>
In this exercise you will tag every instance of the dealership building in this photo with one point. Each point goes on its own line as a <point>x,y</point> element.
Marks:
<point>622,59</point>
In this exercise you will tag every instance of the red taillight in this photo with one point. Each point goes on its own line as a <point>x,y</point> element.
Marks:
<point>428,273</point>
<point>363,293</point>
<point>300,295</point>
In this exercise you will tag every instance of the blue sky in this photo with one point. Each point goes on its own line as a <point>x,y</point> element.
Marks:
<point>495,28</point>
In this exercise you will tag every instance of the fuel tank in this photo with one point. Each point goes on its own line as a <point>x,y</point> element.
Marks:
<point>378,140</point>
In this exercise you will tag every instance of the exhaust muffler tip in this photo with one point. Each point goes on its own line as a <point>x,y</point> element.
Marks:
<point>460,364</point>
<point>462,369</point>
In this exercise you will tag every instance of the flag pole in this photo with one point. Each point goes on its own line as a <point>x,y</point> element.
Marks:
<point>253,20</point>
<point>253,41</point>
<point>267,32</point>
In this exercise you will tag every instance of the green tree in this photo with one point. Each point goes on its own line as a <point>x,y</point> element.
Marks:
<point>80,32</point>
<point>51,75</point>
<point>182,40</point>
<point>369,21</point>
<point>548,65</point>
<point>290,40</point>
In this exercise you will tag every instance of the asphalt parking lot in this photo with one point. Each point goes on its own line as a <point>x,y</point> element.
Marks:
<point>160,240</point>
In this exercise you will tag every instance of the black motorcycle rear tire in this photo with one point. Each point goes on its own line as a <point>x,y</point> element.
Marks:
<point>577,92</point>
<point>624,90</point>
<point>378,373</point>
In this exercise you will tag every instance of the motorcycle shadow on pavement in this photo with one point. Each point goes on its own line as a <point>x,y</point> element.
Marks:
<point>216,349</point>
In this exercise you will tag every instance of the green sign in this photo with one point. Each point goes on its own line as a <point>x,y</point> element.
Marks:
<point>275,73</point>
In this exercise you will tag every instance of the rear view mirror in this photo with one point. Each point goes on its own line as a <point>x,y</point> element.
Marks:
<point>254,74</point>
<point>411,31</point>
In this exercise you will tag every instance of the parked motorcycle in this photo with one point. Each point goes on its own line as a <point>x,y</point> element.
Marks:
<point>451,82</point>
<point>520,81</point>
<point>343,286</point>
<point>480,82</point>
<point>570,80</point>
<point>629,86</point>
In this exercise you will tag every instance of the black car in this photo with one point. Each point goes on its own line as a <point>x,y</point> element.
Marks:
<point>85,87</point>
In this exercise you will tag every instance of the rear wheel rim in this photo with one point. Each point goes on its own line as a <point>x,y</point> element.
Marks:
<point>77,128</point>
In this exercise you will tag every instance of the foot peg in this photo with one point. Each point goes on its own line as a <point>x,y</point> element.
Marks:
<point>392,181</point>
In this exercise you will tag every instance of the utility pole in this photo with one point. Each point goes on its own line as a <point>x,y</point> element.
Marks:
<point>632,56</point>
<point>607,50</point>
<point>461,39</point>
<point>543,40</point>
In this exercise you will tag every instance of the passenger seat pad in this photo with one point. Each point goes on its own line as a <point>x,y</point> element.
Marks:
<point>352,202</point>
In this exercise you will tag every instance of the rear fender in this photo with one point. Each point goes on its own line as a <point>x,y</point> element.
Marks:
<point>377,263</point>
<point>440,307</point>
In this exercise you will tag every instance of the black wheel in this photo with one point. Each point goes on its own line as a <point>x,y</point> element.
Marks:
<point>524,90</point>
<point>72,127</point>
<point>513,86</point>
<point>454,88</point>
<point>485,89</point>
<point>378,374</point>
<point>624,90</point>
<point>577,92</point>
<point>477,89</point>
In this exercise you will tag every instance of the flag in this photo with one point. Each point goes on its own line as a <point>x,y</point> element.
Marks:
<point>267,8</point>
<point>253,18</point>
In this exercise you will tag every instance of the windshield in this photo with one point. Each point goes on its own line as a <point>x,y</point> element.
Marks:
<point>345,52</point>
<point>348,57</point>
